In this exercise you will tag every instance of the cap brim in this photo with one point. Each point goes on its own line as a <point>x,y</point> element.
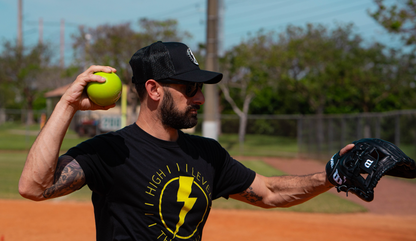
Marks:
<point>200,76</point>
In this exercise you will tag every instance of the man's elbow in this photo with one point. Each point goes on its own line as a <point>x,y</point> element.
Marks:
<point>29,193</point>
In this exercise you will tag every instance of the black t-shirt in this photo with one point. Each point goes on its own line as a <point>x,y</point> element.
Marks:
<point>145,188</point>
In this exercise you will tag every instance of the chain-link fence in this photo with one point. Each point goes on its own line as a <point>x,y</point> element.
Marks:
<point>319,136</point>
<point>325,135</point>
<point>316,135</point>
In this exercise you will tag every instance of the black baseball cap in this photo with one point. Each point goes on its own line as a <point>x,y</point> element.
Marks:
<point>169,60</point>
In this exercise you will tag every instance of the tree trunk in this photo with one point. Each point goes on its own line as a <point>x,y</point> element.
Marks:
<point>242,128</point>
<point>132,99</point>
<point>319,130</point>
<point>244,119</point>
<point>243,114</point>
<point>29,117</point>
<point>29,107</point>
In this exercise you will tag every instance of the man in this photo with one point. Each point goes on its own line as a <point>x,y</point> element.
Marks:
<point>150,181</point>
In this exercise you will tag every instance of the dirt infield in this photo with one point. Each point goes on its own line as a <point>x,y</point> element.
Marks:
<point>51,221</point>
<point>392,216</point>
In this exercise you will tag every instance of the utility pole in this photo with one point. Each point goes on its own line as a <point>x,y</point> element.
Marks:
<point>220,31</point>
<point>62,47</point>
<point>19,25</point>
<point>211,115</point>
<point>40,31</point>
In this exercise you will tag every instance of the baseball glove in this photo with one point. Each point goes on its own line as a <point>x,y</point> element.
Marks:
<point>359,170</point>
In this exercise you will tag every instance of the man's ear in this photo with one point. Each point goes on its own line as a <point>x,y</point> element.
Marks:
<point>154,89</point>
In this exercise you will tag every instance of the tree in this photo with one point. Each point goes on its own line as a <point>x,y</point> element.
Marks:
<point>312,58</point>
<point>167,30</point>
<point>398,18</point>
<point>336,73</point>
<point>314,70</point>
<point>244,76</point>
<point>21,69</point>
<point>406,72</point>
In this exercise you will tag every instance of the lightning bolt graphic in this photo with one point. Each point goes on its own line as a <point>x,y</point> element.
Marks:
<point>185,188</point>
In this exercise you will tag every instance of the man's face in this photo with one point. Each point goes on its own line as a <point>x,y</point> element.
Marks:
<point>173,117</point>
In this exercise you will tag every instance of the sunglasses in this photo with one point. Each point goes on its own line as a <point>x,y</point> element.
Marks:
<point>191,87</point>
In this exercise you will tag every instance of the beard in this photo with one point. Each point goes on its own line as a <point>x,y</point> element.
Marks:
<point>172,117</point>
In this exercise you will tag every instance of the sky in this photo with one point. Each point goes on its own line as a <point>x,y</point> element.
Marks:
<point>240,17</point>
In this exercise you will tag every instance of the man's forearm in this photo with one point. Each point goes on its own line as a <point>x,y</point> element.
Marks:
<point>39,169</point>
<point>286,191</point>
<point>292,190</point>
<point>283,191</point>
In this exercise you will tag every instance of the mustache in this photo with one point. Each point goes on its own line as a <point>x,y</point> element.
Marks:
<point>193,107</point>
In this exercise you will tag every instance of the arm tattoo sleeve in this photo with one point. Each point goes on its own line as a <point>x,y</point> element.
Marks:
<point>251,196</point>
<point>69,177</point>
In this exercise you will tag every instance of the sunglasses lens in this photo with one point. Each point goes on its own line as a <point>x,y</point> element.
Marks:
<point>191,89</point>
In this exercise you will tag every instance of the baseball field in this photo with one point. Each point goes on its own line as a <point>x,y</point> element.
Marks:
<point>330,216</point>
<point>391,216</point>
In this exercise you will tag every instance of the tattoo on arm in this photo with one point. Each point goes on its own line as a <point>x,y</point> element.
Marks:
<point>68,178</point>
<point>251,196</point>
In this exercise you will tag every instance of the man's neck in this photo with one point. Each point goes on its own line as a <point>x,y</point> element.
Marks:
<point>154,127</point>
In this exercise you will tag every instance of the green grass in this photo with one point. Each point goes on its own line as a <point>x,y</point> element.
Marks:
<point>15,142</point>
<point>324,203</point>
<point>16,137</point>
<point>20,137</point>
<point>11,166</point>
<point>260,145</point>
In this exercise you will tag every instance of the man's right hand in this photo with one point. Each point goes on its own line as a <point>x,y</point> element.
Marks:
<point>77,98</point>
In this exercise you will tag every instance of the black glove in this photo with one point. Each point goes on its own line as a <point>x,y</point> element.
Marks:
<point>372,157</point>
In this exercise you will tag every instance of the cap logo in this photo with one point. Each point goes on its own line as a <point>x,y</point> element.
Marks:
<point>191,56</point>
